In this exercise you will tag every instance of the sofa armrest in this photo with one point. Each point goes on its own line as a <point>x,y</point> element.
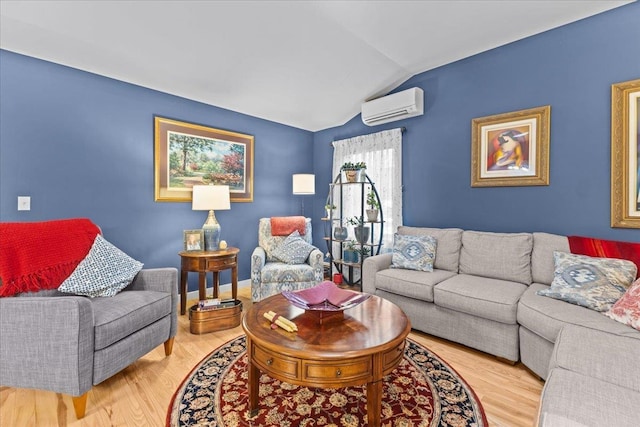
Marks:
<point>160,280</point>
<point>315,261</point>
<point>370,267</point>
<point>258,260</point>
<point>608,357</point>
<point>47,343</point>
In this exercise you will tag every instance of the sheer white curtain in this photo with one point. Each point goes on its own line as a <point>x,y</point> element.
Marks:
<point>382,152</point>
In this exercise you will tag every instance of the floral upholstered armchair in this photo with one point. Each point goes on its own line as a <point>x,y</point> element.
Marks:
<point>285,261</point>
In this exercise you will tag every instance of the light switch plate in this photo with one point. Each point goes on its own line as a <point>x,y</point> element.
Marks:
<point>24,203</point>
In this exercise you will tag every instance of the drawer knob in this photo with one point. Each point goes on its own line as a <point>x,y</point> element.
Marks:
<point>270,362</point>
<point>338,372</point>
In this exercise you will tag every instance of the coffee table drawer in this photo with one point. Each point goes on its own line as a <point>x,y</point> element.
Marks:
<point>347,370</point>
<point>391,358</point>
<point>276,363</point>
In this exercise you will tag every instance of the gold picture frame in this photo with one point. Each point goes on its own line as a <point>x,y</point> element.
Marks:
<point>188,154</point>
<point>625,154</point>
<point>511,149</point>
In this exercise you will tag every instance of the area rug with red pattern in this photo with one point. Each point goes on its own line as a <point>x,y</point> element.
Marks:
<point>422,391</point>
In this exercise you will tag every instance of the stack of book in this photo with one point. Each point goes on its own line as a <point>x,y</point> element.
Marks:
<point>215,304</point>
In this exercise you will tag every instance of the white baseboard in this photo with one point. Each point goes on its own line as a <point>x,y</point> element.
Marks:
<point>223,288</point>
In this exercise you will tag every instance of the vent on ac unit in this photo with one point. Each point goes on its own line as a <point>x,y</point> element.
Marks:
<point>397,106</point>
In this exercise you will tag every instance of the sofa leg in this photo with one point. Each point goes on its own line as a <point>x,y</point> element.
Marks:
<point>80,404</point>
<point>168,346</point>
<point>507,361</point>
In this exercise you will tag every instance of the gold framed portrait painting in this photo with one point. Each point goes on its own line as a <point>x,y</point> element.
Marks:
<point>511,149</point>
<point>625,154</point>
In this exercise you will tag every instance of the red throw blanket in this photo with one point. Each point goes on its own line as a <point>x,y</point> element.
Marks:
<point>606,249</point>
<point>285,225</point>
<point>41,255</point>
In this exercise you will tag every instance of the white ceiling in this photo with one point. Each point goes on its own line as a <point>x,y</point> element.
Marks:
<point>307,64</point>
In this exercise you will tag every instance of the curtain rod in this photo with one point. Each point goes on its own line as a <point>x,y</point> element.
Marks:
<point>402,130</point>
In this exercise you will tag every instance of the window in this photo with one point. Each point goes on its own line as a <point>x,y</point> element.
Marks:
<point>382,152</point>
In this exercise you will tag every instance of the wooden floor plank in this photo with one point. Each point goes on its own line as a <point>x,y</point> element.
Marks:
<point>140,394</point>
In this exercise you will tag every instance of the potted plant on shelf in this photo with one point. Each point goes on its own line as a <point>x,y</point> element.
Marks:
<point>374,206</point>
<point>329,207</point>
<point>351,252</point>
<point>365,251</point>
<point>359,229</point>
<point>354,172</point>
<point>340,232</point>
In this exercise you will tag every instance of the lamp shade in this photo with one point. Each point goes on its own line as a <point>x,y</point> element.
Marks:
<point>211,197</point>
<point>304,183</point>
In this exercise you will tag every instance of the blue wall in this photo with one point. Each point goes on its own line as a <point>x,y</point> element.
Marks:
<point>570,68</point>
<point>82,145</point>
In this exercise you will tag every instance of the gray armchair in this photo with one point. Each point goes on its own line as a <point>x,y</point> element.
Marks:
<point>66,344</point>
<point>269,276</point>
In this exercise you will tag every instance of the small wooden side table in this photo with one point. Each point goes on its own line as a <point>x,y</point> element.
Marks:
<point>202,262</point>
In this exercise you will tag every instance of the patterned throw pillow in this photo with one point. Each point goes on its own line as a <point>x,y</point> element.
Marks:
<point>595,283</point>
<point>104,272</point>
<point>627,309</point>
<point>293,250</point>
<point>413,252</point>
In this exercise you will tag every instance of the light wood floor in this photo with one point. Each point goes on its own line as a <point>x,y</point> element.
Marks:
<point>140,395</point>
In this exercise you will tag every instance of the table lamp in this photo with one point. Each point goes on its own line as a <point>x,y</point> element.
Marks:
<point>208,198</point>
<point>304,184</point>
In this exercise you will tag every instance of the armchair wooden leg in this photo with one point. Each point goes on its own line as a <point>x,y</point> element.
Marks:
<point>80,404</point>
<point>168,346</point>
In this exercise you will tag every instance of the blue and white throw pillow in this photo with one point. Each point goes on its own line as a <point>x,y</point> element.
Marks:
<point>595,283</point>
<point>413,252</point>
<point>293,250</point>
<point>104,272</point>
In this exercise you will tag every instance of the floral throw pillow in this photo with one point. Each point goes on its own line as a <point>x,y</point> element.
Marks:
<point>413,252</point>
<point>595,283</point>
<point>627,309</point>
<point>293,250</point>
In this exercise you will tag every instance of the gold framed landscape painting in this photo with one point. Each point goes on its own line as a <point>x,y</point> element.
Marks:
<point>188,154</point>
<point>511,149</point>
<point>625,154</point>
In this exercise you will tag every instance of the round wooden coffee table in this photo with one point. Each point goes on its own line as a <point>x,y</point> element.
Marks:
<point>358,346</point>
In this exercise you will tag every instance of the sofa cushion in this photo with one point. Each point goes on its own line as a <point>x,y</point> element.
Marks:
<point>579,349</point>
<point>293,250</point>
<point>127,312</point>
<point>627,309</point>
<point>281,272</point>
<point>542,264</point>
<point>269,242</point>
<point>411,283</point>
<point>570,399</point>
<point>546,316</point>
<point>104,272</point>
<point>595,283</point>
<point>505,256</point>
<point>448,242</point>
<point>413,252</point>
<point>484,297</point>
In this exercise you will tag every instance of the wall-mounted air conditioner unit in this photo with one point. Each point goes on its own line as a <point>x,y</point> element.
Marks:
<point>397,106</point>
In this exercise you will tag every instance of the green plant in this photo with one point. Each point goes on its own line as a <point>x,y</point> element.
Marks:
<point>329,207</point>
<point>356,221</point>
<point>372,200</point>
<point>353,166</point>
<point>351,245</point>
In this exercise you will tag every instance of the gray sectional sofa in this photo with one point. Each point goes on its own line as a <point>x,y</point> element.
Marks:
<point>482,293</point>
